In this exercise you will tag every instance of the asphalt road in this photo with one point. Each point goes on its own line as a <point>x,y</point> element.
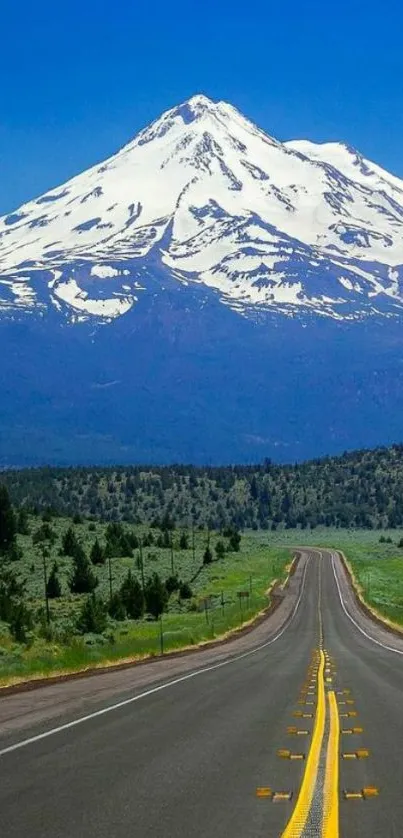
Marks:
<point>194,739</point>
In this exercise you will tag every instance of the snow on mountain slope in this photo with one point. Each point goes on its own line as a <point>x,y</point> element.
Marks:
<point>203,196</point>
<point>349,161</point>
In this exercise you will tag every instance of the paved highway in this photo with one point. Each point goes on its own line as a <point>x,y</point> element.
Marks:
<point>292,730</point>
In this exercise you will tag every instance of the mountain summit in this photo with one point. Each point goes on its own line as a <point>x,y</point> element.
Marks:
<point>202,197</point>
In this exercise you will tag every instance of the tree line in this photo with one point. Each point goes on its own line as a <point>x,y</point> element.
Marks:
<point>362,489</point>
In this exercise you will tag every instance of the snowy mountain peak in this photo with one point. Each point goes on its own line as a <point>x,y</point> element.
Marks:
<point>204,197</point>
<point>186,113</point>
<point>196,105</point>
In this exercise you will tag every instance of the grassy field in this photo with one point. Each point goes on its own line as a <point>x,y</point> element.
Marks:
<point>214,608</point>
<point>185,623</point>
<point>377,567</point>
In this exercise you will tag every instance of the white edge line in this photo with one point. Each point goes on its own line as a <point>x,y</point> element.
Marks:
<point>153,690</point>
<point>368,636</point>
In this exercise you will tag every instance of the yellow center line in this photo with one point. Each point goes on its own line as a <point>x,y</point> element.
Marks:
<point>330,828</point>
<point>300,814</point>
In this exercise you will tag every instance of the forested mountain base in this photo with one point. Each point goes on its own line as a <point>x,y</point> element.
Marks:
<point>362,489</point>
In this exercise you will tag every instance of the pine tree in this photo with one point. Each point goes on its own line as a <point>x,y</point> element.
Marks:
<point>8,525</point>
<point>93,616</point>
<point>133,540</point>
<point>185,591</point>
<point>53,587</point>
<point>97,554</point>
<point>235,541</point>
<point>184,541</point>
<point>12,607</point>
<point>207,556</point>
<point>44,533</point>
<point>125,545</point>
<point>116,608</point>
<point>11,592</point>
<point>83,580</point>
<point>172,584</point>
<point>156,596</point>
<point>20,622</point>
<point>69,542</point>
<point>22,521</point>
<point>132,597</point>
<point>220,549</point>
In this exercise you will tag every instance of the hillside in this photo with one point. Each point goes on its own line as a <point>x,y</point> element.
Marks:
<point>359,489</point>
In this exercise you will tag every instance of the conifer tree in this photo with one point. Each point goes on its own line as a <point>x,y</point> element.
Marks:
<point>69,542</point>
<point>83,580</point>
<point>53,587</point>
<point>97,553</point>
<point>156,596</point>
<point>22,521</point>
<point>93,616</point>
<point>207,556</point>
<point>8,525</point>
<point>185,591</point>
<point>184,541</point>
<point>132,597</point>
<point>116,607</point>
<point>220,549</point>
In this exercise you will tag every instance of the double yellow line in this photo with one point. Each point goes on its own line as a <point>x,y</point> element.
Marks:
<point>330,790</point>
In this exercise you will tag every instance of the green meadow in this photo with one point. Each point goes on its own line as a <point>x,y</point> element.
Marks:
<point>213,609</point>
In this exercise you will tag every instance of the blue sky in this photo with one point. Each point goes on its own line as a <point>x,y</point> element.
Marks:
<point>79,79</point>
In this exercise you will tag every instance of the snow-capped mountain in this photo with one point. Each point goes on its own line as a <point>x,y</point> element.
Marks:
<point>204,198</point>
<point>251,293</point>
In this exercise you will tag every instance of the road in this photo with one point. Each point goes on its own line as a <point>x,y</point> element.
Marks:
<point>190,746</point>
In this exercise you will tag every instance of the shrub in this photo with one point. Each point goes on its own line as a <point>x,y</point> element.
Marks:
<point>172,584</point>
<point>185,591</point>
<point>15,552</point>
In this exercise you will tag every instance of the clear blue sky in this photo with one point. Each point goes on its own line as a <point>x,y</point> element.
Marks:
<point>79,78</point>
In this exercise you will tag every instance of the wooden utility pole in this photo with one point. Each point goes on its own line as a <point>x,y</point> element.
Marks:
<point>45,579</point>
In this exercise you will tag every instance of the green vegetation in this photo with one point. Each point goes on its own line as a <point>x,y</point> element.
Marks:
<point>375,559</point>
<point>362,489</point>
<point>113,588</point>
<point>97,565</point>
